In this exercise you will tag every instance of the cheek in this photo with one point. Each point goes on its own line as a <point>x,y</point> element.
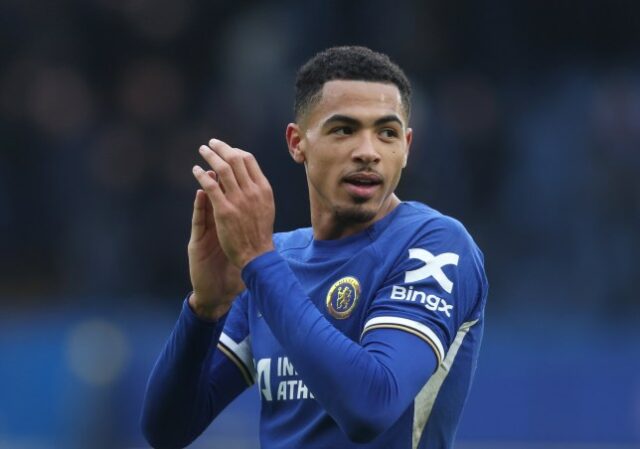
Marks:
<point>396,169</point>
<point>322,165</point>
<point>322,173</point>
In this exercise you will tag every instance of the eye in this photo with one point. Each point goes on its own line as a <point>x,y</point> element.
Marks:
<point>342,131</point>
<point>389,133</point>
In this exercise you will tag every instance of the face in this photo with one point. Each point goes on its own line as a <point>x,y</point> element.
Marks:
<point>354,143</point>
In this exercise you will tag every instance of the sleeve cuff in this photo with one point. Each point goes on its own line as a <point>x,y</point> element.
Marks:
<point>195,320</point>
<point>261,262</point>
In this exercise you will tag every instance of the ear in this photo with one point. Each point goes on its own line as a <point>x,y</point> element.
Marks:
<point>294,139</point>
<point>409,137</point>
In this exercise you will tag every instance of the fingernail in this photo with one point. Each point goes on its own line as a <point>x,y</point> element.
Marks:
<point>203,148</point>
<point>213,141</point>
<point>197,169</point>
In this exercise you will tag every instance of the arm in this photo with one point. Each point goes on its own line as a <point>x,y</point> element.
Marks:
<point>191,382</point>
<point>364,387</point>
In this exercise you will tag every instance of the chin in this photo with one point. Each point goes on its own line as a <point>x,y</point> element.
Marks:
<point>356,213</point>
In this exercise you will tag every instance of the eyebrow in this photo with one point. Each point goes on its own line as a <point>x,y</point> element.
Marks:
<point>355,122</point>
<point>387,119</point>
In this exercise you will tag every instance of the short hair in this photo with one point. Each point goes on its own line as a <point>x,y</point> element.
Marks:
<point>352,63</point>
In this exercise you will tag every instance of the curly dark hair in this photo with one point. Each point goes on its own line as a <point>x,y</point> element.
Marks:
<point>347,63</point>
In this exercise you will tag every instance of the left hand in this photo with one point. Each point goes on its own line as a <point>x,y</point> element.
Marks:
<point>243,206</point>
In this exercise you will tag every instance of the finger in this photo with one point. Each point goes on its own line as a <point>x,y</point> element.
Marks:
<point>235,158</point>
<point>208,211</point>
<point>210,186</point>
<point>223,170</point>
<point>253,168</point>
<point>199,218</point>
<point>214,176</point>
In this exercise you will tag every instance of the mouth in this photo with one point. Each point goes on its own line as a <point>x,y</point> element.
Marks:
<point>362,185</point>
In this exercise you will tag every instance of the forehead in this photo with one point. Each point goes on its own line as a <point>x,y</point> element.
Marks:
<point>361,99</point>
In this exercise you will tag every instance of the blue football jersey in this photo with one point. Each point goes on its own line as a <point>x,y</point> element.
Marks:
<point>416,271</point>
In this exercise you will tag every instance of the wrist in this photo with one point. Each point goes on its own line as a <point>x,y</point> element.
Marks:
<point>207,311</point>
<point>246,260</point>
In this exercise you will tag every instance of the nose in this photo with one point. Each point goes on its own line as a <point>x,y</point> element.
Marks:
<point>365,151</point>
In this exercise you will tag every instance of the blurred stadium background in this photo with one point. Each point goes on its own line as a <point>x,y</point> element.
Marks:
<point>527,128</point>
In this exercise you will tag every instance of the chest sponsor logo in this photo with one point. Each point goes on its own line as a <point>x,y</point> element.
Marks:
<point>288,385</point>
<point>432,267</point>
<point>343,297</point>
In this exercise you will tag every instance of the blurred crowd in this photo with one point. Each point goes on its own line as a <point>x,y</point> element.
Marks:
<point>526,118</point>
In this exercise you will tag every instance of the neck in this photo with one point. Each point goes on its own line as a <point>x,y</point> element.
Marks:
<point>330,224</point>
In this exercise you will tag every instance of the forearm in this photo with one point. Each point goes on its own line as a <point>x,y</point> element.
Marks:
<point>179,401</point>
<point>382,386</point>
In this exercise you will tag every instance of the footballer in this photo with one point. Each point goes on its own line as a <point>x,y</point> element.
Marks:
<point>361,331</point>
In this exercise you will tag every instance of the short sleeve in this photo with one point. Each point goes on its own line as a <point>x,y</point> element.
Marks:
<point>235,340</point>
<point>436,286</point>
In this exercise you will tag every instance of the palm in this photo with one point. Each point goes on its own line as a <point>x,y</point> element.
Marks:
<point>212,275</point>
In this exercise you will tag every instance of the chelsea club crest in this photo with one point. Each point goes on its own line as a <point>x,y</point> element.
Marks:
<point>342,297</point>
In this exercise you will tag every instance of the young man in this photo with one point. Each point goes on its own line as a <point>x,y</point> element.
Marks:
<point>361,331</point>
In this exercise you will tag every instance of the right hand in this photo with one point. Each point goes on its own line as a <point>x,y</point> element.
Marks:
<point>215,280</point>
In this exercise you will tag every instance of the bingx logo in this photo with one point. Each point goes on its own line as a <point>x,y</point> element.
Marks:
<point>432,267</point>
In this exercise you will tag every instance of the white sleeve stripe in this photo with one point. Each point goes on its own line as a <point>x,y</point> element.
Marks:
<point>426,398</point>
<point>236,361</point>
<point>242,350</point>
<point>418,327</point>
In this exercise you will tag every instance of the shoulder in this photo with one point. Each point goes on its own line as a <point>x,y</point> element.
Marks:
<point>423,222</point>
<point>442,250</point>
<point>423,233</point>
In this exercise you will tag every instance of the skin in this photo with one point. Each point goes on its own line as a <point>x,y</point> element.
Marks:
<point>357,131</point>
<point>356,127</point>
